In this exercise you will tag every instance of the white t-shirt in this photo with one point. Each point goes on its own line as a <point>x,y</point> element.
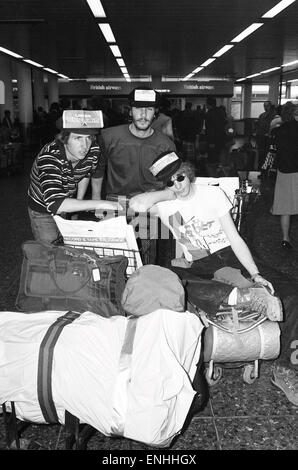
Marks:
<point>195,222</point>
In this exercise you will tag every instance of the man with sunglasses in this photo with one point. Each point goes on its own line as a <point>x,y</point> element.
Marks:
<point>200,219</point>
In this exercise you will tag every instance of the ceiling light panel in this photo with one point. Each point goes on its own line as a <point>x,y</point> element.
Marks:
<point>270,70</point>
<point>253,27</point>
<point>13,54</point>
<point>50,70</point>
<point>207,62</point>
<point>290,63</point>
<point>278,8</point>
<point>120,62</point>
<point>116,51</point>
<point>31,62</point>
<point>223,50</point>
<point>198,69</point>
<point>96,8</point>
<point>107,32</point>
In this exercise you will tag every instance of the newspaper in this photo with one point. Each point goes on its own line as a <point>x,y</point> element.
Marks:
<point>108,237</point>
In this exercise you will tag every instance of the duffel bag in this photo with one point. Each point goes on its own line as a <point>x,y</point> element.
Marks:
<point>66,278</point>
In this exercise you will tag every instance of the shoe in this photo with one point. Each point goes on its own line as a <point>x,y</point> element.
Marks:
<point>287,380</point>
<point>286,245</point>
<point>259,299</point>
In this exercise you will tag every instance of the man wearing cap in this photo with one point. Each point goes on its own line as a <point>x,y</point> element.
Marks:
<point>130,151</point>
<point>61,172</point>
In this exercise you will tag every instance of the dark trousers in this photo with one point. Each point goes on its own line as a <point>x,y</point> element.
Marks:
<point>201,289</point>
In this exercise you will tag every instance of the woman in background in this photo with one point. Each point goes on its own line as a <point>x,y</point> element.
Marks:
<point>285,201</point>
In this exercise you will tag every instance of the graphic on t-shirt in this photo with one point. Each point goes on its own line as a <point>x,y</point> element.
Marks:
<point>192,251</point>
<point>205,235</point>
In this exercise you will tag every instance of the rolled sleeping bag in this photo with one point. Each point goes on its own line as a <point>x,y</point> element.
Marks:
<point>261,342</point>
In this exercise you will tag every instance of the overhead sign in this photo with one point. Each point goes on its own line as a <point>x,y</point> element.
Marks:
<point>2,92</point>
<point>214,87</point>
<point>195,88</point>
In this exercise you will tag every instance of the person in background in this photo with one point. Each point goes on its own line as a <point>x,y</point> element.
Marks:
<point>285,202</point>
<point>215,124</point>
<point>163,120</point>
<point>262,132</point>
<point>188,131</point>
<point>61,172</point>
<point>7,122</point>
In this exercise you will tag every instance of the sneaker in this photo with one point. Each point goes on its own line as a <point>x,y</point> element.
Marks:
<point>287,380</point>
<point>259,299</point>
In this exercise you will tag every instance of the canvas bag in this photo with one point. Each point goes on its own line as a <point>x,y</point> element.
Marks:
<point>66,278</point>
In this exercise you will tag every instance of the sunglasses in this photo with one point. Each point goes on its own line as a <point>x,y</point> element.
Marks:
<point>178,178</point>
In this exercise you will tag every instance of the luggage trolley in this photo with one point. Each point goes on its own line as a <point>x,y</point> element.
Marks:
<point>89,235</point>
<point>237,339</point>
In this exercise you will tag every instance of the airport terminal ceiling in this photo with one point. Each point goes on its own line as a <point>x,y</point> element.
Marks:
<point>157,38</point>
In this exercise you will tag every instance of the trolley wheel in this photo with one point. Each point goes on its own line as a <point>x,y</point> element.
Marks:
<point>249,374</point>
<point>215,376</point>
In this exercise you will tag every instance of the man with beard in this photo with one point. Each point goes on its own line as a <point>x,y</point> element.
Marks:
<point>130,151</point>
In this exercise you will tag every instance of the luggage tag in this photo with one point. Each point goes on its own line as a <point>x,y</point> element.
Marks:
<point>96,274</point>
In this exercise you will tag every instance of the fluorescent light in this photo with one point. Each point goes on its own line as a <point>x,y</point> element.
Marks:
<point>294,80</point>
<point>223,50</point>
<point>188,76</point>
<point>107,32</point>
<point>240,79</point>
<point>278,8</point>
<point>247,32</point>
<point>124,69</point>
<point>253,75</point>
<point>50,70</point>
<point>96,8</point>
<point>126,74</point>
<point>32,62</point>
<point>7,51</point>
<point>270,70</point>
<point>198,69</point>
<point>290,63</point>
<point>63,76</point>
<point>207,62</point>
<point>116,51</point>
<point>121,62</point>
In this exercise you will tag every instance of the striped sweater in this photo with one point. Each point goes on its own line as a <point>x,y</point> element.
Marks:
<point>53,178</point>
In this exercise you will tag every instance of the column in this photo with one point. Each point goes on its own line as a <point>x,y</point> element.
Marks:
<point>273,96</point>
<point>25,104</point>
<point>6,78</point>
<point>38,88</point>
<point>25,98</point>
<point>246,100</point>
<point>53,90</point>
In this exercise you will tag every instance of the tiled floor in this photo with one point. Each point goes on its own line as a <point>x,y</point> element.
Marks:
<point>238,416</point>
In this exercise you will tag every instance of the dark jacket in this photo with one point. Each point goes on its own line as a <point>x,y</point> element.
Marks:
<point>287,147</point>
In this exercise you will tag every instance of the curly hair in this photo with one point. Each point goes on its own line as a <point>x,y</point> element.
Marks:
<point>189,169</point>
<point>288,111</point>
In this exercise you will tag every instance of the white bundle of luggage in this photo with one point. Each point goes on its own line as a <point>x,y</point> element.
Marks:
<point>129,376</point>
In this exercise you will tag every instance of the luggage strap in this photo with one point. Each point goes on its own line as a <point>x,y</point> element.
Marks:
<point>45,363</point>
